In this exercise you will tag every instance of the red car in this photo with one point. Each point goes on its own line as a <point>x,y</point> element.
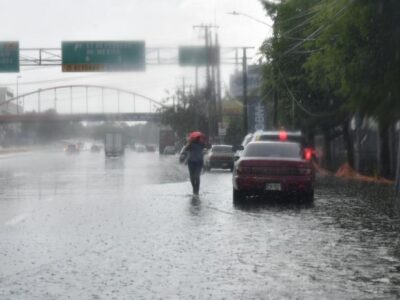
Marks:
<point>273,167</point>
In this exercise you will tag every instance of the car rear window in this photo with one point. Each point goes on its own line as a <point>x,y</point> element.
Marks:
<point>222,149</point>
<point>290,138</point>
<point>282,149</point>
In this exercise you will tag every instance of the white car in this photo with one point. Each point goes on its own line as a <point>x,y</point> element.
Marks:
<point>140,148</point>
<point>169,150</point>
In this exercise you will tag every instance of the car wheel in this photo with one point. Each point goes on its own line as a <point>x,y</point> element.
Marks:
<point>238,196</point>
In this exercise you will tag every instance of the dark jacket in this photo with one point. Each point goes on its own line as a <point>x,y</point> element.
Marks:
<point>195,152</point>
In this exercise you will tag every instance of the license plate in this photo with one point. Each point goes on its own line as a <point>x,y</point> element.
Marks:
<point>273,186</point>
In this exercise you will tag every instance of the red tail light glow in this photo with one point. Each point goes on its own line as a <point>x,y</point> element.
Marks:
<point>243,170</point>
<point>308,153</point>
<point>283,135</point>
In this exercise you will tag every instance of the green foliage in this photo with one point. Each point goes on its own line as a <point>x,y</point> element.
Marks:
<point>336,56</point>
<point>234,132</point>
<point>188,114</point>
<point>360,57</point>
<point>300,104</point>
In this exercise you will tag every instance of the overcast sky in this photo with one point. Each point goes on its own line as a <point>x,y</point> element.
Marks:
<point>161,23</point>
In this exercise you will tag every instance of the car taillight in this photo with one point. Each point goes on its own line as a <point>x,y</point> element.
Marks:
<point>308,152</point>
<point>305,171</point>
<point>283,135</point>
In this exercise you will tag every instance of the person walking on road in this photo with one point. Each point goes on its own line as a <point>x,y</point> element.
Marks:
<point>194,150</point>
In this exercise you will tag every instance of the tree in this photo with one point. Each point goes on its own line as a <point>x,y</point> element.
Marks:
<point>234,132</point>
<point>335,58</point>
<point>300,103</point>
<point>360,60</point>
<point>188,114</point>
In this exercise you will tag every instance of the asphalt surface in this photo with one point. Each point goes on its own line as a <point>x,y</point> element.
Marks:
<point>85,227</point>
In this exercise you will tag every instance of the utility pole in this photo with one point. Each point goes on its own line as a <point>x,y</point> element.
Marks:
<point>18,77</point>
<point>293,113</point>
<point>209,89</point>
<point>185,92</point>
<point>275,93</point>
<point>208,80</point>
<point>196,98</point>
<point>183,86</point>
<point>357,148</point>
<point>219,83</point>
<point>245,100</point>
<point>214,109</point>
<point>236,60</point>
<point>196,80</point>
<point>275,116</point>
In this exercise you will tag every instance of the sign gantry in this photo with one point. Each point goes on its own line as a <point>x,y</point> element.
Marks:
<point>112,56</point>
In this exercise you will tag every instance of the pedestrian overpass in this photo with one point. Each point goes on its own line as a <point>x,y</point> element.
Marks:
<point>77,103</point>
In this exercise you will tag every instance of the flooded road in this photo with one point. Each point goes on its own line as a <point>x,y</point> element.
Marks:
<point>85,227</point>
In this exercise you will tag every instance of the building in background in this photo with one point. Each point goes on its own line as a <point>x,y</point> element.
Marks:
<point>254,82</point>
<point>258,111</point>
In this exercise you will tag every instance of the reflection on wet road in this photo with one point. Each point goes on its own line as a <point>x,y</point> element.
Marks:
<point>86,227</point>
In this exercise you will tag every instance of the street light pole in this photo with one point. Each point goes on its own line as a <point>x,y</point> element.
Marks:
<point>210,88</point>
<point>235,13</point>
<point>245,100</point>
<point>18,77</point>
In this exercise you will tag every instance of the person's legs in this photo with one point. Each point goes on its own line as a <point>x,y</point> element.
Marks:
<point>192,174</point>
<point>196,186</point>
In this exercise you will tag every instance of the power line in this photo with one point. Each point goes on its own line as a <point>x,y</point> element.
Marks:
<point>317,31</point>
<point>290,93</point>
<point>305,22</point>
<point>308,20</point>
<point>235,13</point>
<point>312,36</point>
<point>310,11</point>
<point>309,51</point>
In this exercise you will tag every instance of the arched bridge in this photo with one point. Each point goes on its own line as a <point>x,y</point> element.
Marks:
<point>80,103</point>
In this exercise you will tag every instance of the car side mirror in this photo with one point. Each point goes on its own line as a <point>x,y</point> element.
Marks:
<point>236,158</point>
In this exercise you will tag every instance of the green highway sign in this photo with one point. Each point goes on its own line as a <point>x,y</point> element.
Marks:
<point>9,57</point>
<point>103,56</point>
<point>198,56</point>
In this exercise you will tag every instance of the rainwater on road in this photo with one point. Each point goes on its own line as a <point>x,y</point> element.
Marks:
<point>86,227</point>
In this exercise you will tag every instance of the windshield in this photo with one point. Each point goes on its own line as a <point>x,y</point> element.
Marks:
<point>221,149</point>
<point>278,150</point>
